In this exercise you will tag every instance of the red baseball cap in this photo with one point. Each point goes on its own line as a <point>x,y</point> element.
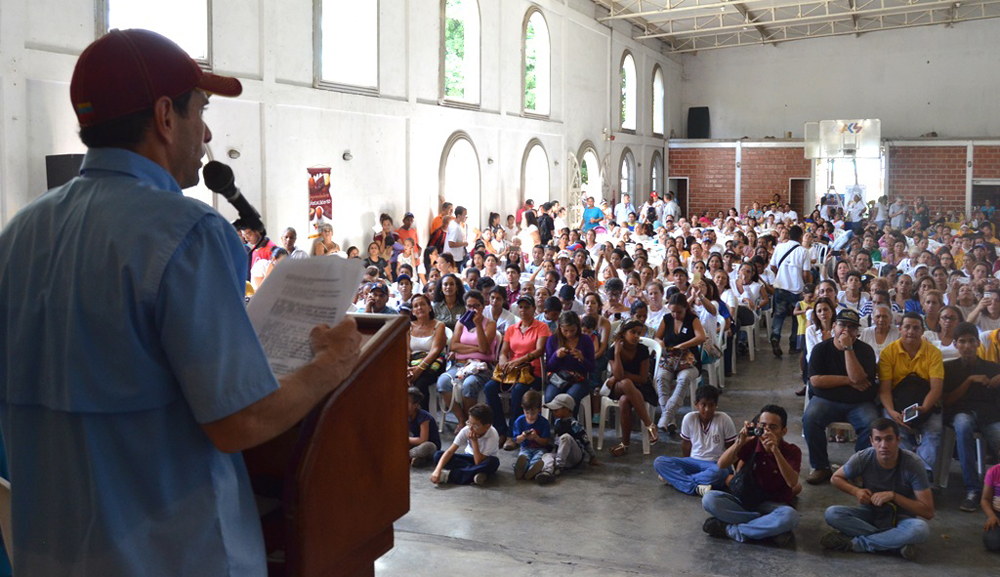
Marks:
<point>126,71</point>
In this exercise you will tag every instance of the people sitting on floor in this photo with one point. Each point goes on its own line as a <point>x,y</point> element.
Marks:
<point>842,373</point>
<point>759,504</point>
<point>425,439</point>
<point>705,434</point>
<point>532,432</point>
<point>570,441</point>
<point>971,405</point>
<point>481,457</point>
<point>911,376</point>
<point>893,493</point>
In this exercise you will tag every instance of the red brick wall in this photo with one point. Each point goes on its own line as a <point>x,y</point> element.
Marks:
<point>936,173</point>
<point>986,162</point>
<point>765,171</point>
<point>712,174</point>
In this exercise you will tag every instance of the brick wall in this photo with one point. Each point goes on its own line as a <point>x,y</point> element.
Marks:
<point>986,162</point>
<point>712,174</point>
<point>765,171</point>
<point>935,173</point>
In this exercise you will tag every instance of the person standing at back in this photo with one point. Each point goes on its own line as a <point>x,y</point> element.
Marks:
<point>132,375</point>
<point>790,264</point>
<point>455,242</point>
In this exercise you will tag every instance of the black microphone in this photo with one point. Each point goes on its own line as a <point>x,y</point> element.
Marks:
<point>219,179</point>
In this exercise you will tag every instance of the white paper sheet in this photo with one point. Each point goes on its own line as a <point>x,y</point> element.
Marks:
<point>297,296</point>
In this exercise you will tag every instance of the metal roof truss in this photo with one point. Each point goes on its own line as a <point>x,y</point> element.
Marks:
<point>693,25</point>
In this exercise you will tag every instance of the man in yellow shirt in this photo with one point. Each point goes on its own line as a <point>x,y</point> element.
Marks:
<point>914,366</point>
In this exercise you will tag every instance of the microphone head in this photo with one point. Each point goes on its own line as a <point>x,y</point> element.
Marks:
<point>218,176</point>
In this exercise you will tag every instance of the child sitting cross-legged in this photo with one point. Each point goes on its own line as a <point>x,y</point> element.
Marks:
<point>425,439</point>
<point>531,431</point>
<point>706,434</point>
<point>482,449</point>
<point>570,440</point>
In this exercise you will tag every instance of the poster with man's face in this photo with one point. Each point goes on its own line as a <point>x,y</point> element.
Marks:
<point>320,201</point>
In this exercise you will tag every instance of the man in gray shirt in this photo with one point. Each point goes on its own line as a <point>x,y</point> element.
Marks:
<point>891,487</point>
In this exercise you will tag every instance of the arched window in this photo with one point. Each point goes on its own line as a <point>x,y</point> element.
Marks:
<point>536,63</point>
<point>460,47</point>
<point>590,171</point>
<point>535,173</point>
<point>626,172</point>
<point>460,178</point>
<point>348,33</point>
<point>628,92</point>
<point>659,89</point>
<point>656,173</point>
<point>185,22</point>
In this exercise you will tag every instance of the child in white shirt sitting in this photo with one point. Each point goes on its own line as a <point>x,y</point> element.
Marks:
<point>481,456</point>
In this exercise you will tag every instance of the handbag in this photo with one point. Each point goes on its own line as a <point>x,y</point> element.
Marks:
<point>911,390</point>
<point>418,357</point>
<point>563,379</point>
<point>744,487</point>
<point>519,375</point>
<point>675,360</point>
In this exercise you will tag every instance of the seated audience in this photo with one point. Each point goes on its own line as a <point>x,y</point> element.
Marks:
<point>472,347</point>
<point>425,440</point>
<point>630,382</point>
<point>705,435</point>
<point>990,503</point>
<point>763,510</point>
<point>681,335</point>
<point>894,498</point>
<point>532,432</point>
<point>427,347</point>
<point>842,373</point>
<point>569,357</point>
<point>570,441</point>
<point>449,300</point>
<point>480,458</point>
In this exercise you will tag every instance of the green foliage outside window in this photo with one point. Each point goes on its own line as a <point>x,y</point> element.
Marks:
<point>454,53</point>
<point>530,58</point>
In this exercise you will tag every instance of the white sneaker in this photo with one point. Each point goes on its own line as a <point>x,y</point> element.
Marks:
<point>443,479</point>
<point>479,479</point>
<point>702,489</point>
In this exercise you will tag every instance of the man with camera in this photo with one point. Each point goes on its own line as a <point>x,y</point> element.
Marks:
<point>842,376</point>
<point>911,378</point>
<point>758,505</point>
<point>892,492</point>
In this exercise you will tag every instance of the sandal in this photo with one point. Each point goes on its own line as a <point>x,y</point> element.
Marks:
<point>653,435</point>
<point>618,450</point>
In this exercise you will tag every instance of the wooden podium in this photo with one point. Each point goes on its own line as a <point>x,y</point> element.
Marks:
<point>341,477</point>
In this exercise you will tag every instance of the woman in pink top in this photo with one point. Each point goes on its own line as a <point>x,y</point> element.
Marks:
<point>523,343</point>
<point>472,341</point>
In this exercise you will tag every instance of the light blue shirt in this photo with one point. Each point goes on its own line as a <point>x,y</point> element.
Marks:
<point>589,213</point>
<point>122,330</point>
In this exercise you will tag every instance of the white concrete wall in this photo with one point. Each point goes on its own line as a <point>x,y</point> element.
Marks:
<point>915,80</point>
<point>282,125</point>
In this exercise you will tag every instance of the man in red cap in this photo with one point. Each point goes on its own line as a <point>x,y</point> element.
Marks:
<point>132,375</point>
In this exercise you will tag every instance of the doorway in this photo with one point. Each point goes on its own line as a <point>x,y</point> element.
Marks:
<point>798,190</point>
<point>679,186</point>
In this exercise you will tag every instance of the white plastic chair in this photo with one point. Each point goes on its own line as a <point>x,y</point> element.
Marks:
<point>608,404</point>
<point>943,468</point>
<point>716,370</point>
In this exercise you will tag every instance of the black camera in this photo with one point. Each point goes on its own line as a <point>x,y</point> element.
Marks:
<point>755,431</point>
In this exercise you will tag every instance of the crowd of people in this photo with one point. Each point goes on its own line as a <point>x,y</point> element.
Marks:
<point>894,311</point>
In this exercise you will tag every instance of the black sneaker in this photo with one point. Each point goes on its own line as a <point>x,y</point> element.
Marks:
<point>715,528</point>
<point>837,541</point>
<point>783,540</point>
<point>971,502</point>
<point>544,478</point>
<point>776,347</point>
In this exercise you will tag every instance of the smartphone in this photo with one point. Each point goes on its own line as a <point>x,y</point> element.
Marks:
<point>466,319</point>
<point>964,280</point>
<point>910,413</point>
<point>696,278</point>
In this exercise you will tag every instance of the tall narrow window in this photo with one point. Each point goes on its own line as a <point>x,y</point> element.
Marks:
<point>537,64</point>
<point>590,172</point>
<point>656,173</point>
<point>659,90</point>
<point>628,92</point>
<point>461,50</point>
<point>460,178</point>
<point>535,173</point>
<point>626,171</point>
<point>348,38</point>
<point>183,21</point>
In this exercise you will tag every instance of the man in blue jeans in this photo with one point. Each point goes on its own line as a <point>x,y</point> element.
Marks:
<point>893,495</point>
<point>775,470</point>
<point>971,403</point>
<point>790,264</point>
<point>842,381</point>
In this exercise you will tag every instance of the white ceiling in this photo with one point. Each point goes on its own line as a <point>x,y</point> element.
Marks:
<point>693,25</point>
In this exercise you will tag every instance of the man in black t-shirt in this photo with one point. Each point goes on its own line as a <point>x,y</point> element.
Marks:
<point>972,403</point>
<point>842,384</point>
<point>546,224</point>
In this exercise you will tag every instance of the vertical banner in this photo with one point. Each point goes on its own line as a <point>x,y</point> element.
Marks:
<point>320,201</point>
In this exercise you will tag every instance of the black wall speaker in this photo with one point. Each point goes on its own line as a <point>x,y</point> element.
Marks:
<point>61,168</point>
<point>699,125</point>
